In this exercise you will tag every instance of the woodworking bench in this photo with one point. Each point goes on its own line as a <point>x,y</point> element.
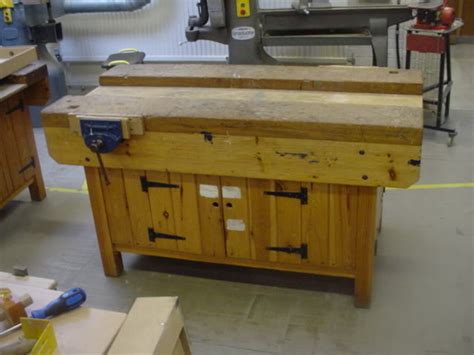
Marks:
<point>19,163</point>
<point>260,166</point>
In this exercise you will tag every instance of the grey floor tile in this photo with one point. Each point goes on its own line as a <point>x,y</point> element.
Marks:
<point>206,349</point>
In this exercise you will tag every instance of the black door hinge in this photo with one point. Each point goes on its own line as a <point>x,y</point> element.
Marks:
<point>302,195</point>
<point>31,164</point>
<point>18,106</point>
<point>149,184</point>
<point>303,250</point>
<point>152,235</point>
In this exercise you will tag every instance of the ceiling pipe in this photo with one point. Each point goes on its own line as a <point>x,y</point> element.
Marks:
<point>88,6</point>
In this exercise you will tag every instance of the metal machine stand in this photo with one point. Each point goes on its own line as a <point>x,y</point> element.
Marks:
<point>438,42</point>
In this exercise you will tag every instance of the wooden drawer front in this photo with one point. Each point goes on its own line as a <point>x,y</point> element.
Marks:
<point>16,161</point>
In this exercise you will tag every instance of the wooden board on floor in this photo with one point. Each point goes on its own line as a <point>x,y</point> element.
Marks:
<point>321,78</point>
<point>154,325</point>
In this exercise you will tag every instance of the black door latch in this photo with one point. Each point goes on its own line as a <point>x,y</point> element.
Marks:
<point>303,250</point>
<point>152,235</point>
<point>302,195</point>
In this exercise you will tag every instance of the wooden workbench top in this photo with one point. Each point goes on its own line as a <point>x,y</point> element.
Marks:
<point>338,116</point>
<point>322,78</point>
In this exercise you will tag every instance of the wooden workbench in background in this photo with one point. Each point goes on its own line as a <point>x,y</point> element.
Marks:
<point>235,160</point>
<point>19,163</point>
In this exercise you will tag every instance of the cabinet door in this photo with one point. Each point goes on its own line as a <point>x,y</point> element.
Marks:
<point>13,158</point>
<point>6,186</point>
<point>163,210</point>
<point>290,222</point>
<point>315,224</point>
<point>21,129</point>
<point>276,221</point>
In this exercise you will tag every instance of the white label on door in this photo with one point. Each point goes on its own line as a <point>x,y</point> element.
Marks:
<point>209,191</point>
<point>231,192</point>
<point>243,33</point>
<point>237,225</point>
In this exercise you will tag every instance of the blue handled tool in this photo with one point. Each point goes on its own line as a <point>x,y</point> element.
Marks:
<point>69,300</point>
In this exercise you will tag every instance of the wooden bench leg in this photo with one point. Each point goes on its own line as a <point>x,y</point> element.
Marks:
<point>365,248</point>
<point>111,259</point>
<point>37,188</point>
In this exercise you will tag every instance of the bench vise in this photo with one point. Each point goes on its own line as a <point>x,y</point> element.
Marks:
<point>104,135</point>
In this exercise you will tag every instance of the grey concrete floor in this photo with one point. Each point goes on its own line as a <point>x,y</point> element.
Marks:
<point>423,287</point>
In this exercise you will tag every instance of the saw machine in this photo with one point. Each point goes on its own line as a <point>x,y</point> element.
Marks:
<point>248,29</point>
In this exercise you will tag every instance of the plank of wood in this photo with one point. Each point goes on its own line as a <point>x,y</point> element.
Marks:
<point>394,119</point>
<point>37,188</point>
<point>262,219</point>
<point>186,213</point>
<point>322,78</point>
<point>153,326</point>
<point>315,223</point>
<point>235,200</point>
<point>365,240</point>
<point>264,158</point>
<point>15,192</point>
<point>111,259</point>
<point>15,58</point>
<point>4,191</point>
<point>288,219</point>
<point>117,207</point>
<point>21,136</point>
<point>210,216</point>
<point>261,264</point>
<point>342,224</point>
<point>9,90</point>
<point>162,211</point>
<point>38,93</point>
<point>139,207</point>
<point>5,181</point>
<point>5,178</point>
<point>11,150</point>
<point>29,75</point>
<point>28,281</point>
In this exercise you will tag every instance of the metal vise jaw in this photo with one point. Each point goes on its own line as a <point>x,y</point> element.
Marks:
<point>101,136</point>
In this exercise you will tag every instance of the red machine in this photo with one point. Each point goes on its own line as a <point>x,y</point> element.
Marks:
<point>434,17</point>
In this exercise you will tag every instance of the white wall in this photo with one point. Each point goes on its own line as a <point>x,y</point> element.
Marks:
<point>158,30</point>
